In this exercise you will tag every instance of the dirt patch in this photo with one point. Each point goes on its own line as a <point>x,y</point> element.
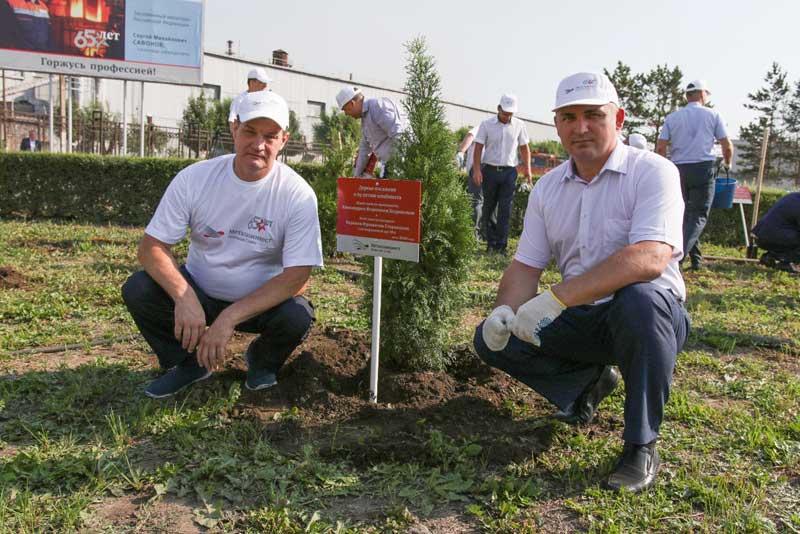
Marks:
<point>328,380</point>
<point>138,513</point>
<point>11,279</point>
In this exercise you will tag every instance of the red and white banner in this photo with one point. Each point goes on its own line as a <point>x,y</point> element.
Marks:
<point>379,217</point>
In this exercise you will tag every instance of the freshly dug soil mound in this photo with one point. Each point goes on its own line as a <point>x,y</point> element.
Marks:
<point>328,380</point>
<point>9,278</point>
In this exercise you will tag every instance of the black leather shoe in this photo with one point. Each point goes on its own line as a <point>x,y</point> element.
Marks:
<point>583,409</point>
<point>636,469</point>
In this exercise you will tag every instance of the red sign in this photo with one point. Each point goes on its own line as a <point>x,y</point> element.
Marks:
<point>381,209</point>
<point>742,195</point>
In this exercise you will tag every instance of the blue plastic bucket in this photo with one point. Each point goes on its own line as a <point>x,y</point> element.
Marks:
<point>723,193</point>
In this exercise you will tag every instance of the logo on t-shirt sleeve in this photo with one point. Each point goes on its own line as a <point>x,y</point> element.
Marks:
<point>213,234</point>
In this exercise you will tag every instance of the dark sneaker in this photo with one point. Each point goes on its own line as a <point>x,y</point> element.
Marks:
<point>258,378</point>
<point>175,380</point>
<point>637,468</point>
<point>583,409</point>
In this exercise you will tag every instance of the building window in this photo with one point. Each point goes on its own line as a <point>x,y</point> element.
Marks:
<point>212,92</point>
<point>315,109</point>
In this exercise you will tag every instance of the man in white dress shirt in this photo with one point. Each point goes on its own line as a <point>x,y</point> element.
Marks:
<point>494,168</point>
<point>610,216</point>
<point>257,80</point>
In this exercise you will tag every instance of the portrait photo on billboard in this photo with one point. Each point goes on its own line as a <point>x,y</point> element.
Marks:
<point>84,28</point>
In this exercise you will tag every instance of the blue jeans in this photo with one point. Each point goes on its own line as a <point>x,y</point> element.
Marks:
<point>697,186</point>
<point>641,330</point>
<point>499,184</point>
<point>476,196</point>
<point>282,328</point>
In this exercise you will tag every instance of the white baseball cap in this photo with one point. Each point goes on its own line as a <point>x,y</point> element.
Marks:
<point>347,94</point>
<point>585,89</point>
<point>264,104</point>
<point>697,85</point>
<point>637,140</point>
<point>508,103</point>
<point>258,74</point>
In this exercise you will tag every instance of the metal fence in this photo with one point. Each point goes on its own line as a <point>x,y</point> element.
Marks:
<point>99,133</point>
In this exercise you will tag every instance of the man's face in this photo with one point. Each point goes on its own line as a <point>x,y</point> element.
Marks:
<point>503,116</point>
<point>589,133</point>
<point>32,134</point>
<point>354,108</point>
<point>258,143</point>
<point>254,85</point>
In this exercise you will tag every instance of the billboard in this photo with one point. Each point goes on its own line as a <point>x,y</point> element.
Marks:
<point>143,40</point>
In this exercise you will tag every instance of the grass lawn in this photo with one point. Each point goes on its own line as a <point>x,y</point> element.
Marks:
<point>82,449</point>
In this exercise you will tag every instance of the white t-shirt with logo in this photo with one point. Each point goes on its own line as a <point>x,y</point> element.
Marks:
<point>242,233</point>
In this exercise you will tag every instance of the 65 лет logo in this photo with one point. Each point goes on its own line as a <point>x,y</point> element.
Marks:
<point>94,42</point>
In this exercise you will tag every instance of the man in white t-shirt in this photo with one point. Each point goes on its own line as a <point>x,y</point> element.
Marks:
<point>495,167</point>
<point>257,80</point>
<point>254,238</point>
<point>610,216</point>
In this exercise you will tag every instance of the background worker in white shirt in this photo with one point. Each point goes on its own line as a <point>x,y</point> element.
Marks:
<point>382,122</point>
<point>494,167</point>
<point>257,80</point>
<point>254,238</point>
<point>690,132</point>
<point>610,216</point>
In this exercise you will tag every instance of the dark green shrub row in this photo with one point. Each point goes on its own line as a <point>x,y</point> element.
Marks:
<point>126,191</point>
<point>91,188</point>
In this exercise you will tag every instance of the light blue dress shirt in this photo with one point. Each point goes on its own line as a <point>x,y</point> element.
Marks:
<point>691,132</point>
<point>382,122</point>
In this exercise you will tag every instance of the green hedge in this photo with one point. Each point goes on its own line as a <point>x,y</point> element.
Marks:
<point>91,188</point>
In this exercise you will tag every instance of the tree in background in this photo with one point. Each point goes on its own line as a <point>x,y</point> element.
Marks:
<point>770,102</point>
<point>648,97</point>
<point>335,124</point>
<point>202,118</point>
<point>422,302</point>
<point>548,147</point>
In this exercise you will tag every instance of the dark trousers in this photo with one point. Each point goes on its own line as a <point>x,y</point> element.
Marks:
<point>499,184</point>
<point>697,186</point>
<point>641,330</point>
<point>281,328</point>
<point>476,196</point>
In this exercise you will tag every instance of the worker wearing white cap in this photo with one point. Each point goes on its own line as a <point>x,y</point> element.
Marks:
<point>254,238</point>
<point>610,217</point>
<point>690,133</point>
<point>257,80</point>
<point>494,168</point>
<point>382,122</point>
<point>637,140</point>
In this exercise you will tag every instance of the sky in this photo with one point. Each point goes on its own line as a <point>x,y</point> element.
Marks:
<point>484,49</point>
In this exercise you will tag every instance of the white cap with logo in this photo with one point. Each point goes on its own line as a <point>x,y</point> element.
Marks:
<point>264,104</point>
<point>258,74</point>
<point>347,94</point>
<point>508,103</point>
<point>697,85</point>
<point>585,89</point>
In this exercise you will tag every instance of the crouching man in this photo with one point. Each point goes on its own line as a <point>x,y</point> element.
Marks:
<point>254,238</point>
<point>611,217</point>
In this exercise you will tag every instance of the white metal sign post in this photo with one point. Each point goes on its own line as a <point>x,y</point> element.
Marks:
<point>378,218</point>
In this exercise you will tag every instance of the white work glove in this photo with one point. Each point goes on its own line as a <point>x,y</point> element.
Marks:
<point>524,187</point>
<point>459,160</point>
<point>497,328</point>
<point>536,314</point>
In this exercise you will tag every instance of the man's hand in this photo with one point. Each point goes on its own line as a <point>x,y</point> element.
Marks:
<point>536,314</point>
<point>190,320</point>
<point>477,175</point>
<point>497,328</point>
<point>212,351</point>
